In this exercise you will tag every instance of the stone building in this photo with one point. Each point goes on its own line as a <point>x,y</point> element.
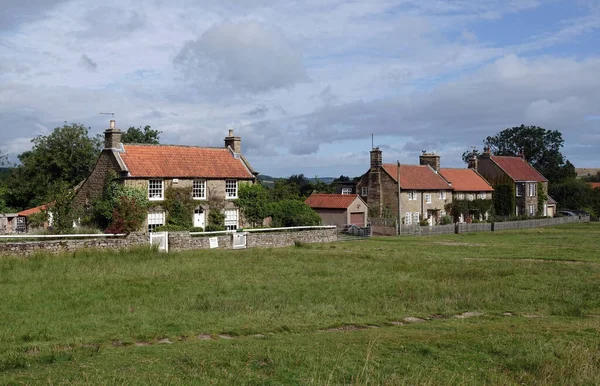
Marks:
<point>467,184</point>
<point>423,192</point>
<point>519,175</point>
<point>339,209</point>
<point>210,173</point>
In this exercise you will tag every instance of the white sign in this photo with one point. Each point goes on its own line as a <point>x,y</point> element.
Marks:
<point>214,242</point>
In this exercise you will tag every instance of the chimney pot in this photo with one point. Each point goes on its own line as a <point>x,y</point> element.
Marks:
<point>235,143</point>
<point>231,132</point>
<point>112,123</point>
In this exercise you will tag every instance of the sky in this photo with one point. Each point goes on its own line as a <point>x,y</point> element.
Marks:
<point>306,84</point>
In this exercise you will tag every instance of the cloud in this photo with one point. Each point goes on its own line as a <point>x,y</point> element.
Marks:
<point>87,63</point>
<point>245,56</point>
<point>110,23</point>
<point>16,12</point>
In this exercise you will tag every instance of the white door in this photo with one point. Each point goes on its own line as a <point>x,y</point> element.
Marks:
<point>199,218</point>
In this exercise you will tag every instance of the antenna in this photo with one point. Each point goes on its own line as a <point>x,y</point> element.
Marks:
<point>112,114</point>
<point>372,141</point>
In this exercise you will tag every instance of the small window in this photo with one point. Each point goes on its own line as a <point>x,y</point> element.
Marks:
<point>346,190</point>
<point>412,195</point>
<point>364,191</point>
<point>408,218</point>
<point>532,190</point>
<point>155,190</point>
<point>460,196</point>
<point>155,219</point>
<point>415,218</point>
<point>531,210</point>
<point>428,198</point>
<point>199,190</point>
<point>231,188</point>
<point>442,195</point>
<point>520,188</point>
<point>482,196</point>
<point>470,197</point>
<point>231,219</point>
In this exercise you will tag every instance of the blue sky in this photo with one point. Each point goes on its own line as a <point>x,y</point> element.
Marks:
<point>305,83</point>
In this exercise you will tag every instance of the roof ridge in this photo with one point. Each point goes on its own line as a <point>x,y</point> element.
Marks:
<point>173,145</point>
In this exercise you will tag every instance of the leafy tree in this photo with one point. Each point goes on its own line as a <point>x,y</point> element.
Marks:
<point>469,154</point>
<point>254,202</point>
<point>63,212</point>
<point>139,135</point>
<point>128,216</point>
<point>541,148</point>
<point>572,194</point>
<point>65,156</point>
<point>180,207</point>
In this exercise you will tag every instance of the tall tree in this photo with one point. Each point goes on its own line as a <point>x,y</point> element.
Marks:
<point>139,135</point>
<point>65,156</point>
<point>540,147</point>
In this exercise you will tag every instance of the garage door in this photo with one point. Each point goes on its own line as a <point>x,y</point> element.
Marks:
<point>357,219</point>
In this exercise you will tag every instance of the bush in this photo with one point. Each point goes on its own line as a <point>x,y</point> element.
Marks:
<point>446,220</point>
<point>290,213</point>
<point>128,216</point>
<point>214,228</point>
<point>424,222</point>
<point>37,220</point>
<point>170,228</point>
<point>196,229</point>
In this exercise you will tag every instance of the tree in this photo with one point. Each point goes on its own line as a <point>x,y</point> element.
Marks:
<point>65,156</point>
<point>290,213</point>
<point>139,135</point>
<point>572,194</point>
<point>541,148</point>
<point>254,202</point>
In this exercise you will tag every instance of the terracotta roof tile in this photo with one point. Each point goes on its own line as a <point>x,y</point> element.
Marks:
<point>466,180</point>
<point>330,201</point>
<point>183,161</point>
<point>29,212</point>
<point>594,185</point>
<point>419,177</point>
<point>518,169</point>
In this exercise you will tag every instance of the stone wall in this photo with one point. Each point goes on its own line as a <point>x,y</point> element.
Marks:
<point>28,248</point>
<point>178,241</point>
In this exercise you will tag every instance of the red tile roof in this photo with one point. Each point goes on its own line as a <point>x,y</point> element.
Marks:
<point>183,161</point>
<point>518,169</point>
<point>28,212</point>
<point>594,185</point>
<point>330,201</point>
<point>418,177</point>
<point>466,180</point>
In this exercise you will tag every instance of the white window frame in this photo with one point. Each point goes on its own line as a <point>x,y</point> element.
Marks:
<point>408,218</point>
<point>442,195</point>
<point>155,219</point>
<point>532,190</point>
<point>531,209</point>
<point>428,198</point>
<point>470,196</point>
<point>460,196</point>
<point>231,189</point>
<point>412,195</point>
<point>364,191</point>
<point>416,217</point>
<point>232,217</point>
<point>153,190</point>
<point>199,189</point>
<point>521,191</point>
<point>482,196</point>
<point>346,190</point>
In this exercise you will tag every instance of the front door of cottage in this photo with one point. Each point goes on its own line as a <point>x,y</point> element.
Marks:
<point>199,218</point>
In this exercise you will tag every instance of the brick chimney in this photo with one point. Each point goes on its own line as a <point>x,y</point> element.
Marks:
<point>473,161</point>
<point>235,143</point>
<point>431,159</point>
<point>487,152</point>
<point>112,137</point>
<point>376,159</point>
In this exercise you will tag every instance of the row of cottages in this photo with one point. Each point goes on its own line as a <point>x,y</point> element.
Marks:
<point>523,178</point>
<point>211,173</point>
<point>425,189</point>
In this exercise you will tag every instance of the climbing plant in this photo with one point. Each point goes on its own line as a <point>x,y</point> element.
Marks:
<point>179,206</point>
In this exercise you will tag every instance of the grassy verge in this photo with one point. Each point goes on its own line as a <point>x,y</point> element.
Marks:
<point>62,314</point>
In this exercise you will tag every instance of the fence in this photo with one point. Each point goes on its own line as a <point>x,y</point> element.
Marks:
<point>416,230</point>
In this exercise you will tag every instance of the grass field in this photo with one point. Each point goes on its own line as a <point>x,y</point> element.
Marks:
<point>319,314</point>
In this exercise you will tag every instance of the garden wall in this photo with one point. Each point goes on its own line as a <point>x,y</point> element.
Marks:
<point>178,241</point>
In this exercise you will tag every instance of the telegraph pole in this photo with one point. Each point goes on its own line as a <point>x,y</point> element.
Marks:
<point>399,221</point>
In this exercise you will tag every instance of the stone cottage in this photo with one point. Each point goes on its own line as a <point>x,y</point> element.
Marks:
<point>469,185</point>
<point>210,173</point>
<point>517,173</point>
<point>423,192</point>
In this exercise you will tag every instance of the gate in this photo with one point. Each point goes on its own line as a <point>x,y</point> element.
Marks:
<point>161,239</point>
<point>239,240</point>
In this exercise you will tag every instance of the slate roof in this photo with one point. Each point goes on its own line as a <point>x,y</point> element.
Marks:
<point>417,177</point>
<point>183,161</point>
<point>466,180</point>
<point>518,169</point>
<point>330,201</point>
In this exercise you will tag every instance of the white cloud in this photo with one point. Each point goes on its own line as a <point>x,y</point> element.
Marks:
<point>244,56</point>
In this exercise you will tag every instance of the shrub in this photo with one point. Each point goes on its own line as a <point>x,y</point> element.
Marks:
<point>128,216</point>
<point>197,229</point>
<point>179,206</point>
<point>424,222</point>
<point>170,228</point>
<point>289,213</point>
<point>254,203</point>
<point>446,220</point>
<point>37,220</point>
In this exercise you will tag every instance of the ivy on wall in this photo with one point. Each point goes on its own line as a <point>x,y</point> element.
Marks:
<point>542,198</point>
<point>179,206</point>
<point>466,207</point>
<point>504,199</point>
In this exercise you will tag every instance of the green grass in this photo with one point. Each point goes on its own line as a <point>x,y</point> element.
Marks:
<point>75,318</point>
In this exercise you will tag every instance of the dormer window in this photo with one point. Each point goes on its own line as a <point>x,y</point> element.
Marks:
<point>156,190</point>
<point>231,189</point>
